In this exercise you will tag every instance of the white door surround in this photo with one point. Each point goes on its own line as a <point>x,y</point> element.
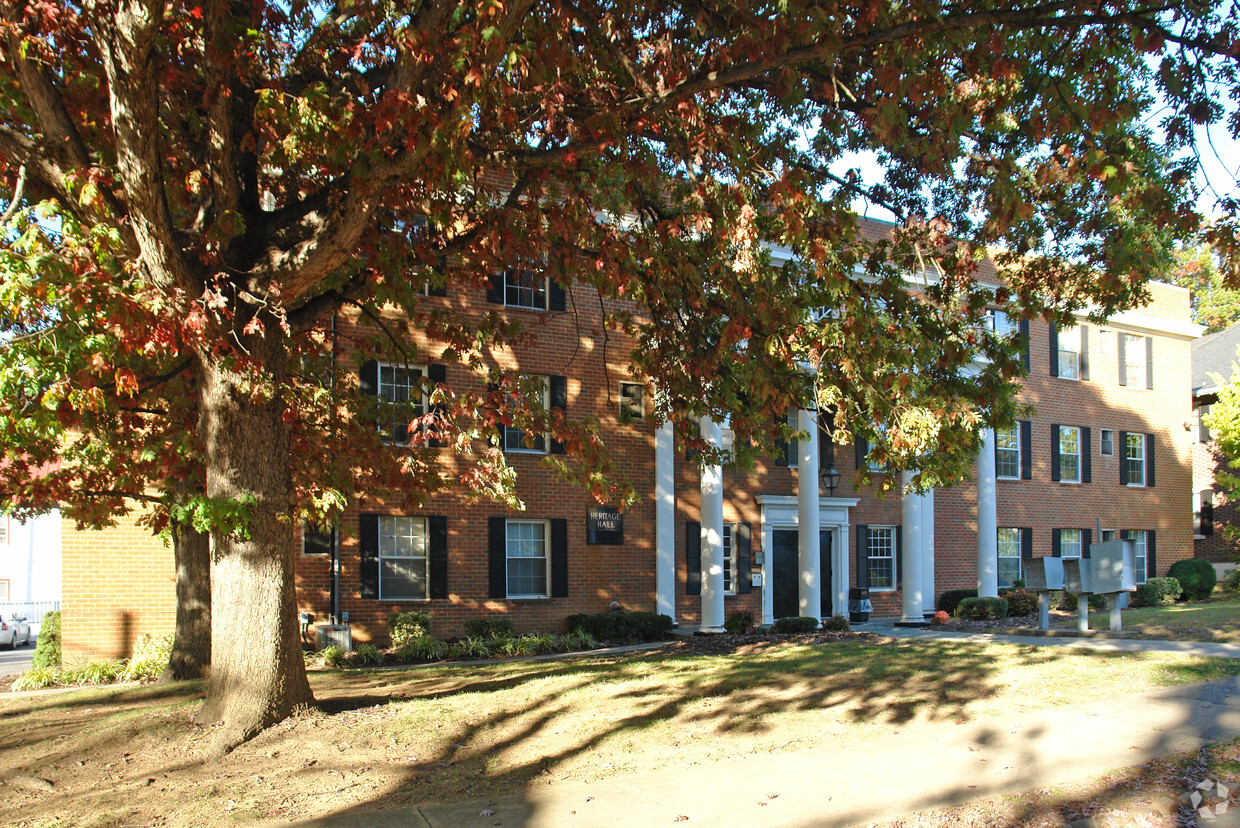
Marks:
<point>780,512</point>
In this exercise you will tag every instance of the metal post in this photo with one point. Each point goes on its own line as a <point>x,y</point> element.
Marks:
<point>1044,611</point>
<point>1082,612</point>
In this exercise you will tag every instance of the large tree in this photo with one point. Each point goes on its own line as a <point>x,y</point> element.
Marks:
<point>227,175</point>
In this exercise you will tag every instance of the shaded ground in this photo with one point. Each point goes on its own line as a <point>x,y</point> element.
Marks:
<point>128,756</point>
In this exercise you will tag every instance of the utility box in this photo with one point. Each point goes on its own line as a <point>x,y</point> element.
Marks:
<point>325,635</point>
<point>1043,574</point>
<point>1111,567</point>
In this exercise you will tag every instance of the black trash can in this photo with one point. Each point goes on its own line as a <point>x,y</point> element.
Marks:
<point>859,606</point>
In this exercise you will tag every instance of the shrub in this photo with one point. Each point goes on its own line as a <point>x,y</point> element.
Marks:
<point>1018,583</point>
<point>1197,578</point>
<point>366,654</point>
<point>941,617</point>
<point>951,598</point>
<point>1231,581</point>
<point>47,651</point>
<point>740,622</point>
<point>623,627</point>
<point>836,623</point>
<point>421,648</point>
<point>406,626</point>
<point>982,609</point>
<point>39,677</point>
<point>1156,592</point>
<point>795,624</point>
<point>1021,602</point>
<point>505,646</point>
<point>1067,602</point>
<point>489,628</point>
<point>149,659</point>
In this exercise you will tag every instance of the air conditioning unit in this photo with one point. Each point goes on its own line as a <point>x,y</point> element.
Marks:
<point>326,635</point>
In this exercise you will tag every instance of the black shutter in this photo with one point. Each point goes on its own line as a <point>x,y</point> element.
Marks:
<point>1149,362</point>
<point>493,387</point>
<point>437,526</point>
<point>783,450</point>
<point>368,377</point>
<point>863,448</point>
<point>1024,344</point>
<point>559,558</point>
<point>1121,354</point>
<point>368,532</point>
<point>1026,450</point>
<point>1054,451</point>
<point>555,295</point>
<point>1056,543</point>
<point>559,399</point>
<point>1151,558</point>
<point>1149,459</point>
<point>1026,543</point>
<point>899,558</point>
<point>497,557</point>
<point>1085,447</point>
<point>1086,540</point>
<point>863,555</point>
<point>1122,448</point>
<point>1084,329</point>
<point>693,557</point>
<point>437,374</point>
<point>1054,339</point>
<point>495,290</point>
<point>744,577</point>
<point>1205,512</point>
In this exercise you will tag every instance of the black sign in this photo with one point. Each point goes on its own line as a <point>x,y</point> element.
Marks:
<point>604,525</point>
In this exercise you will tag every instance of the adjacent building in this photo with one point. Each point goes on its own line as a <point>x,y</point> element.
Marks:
<point>1213,358</point>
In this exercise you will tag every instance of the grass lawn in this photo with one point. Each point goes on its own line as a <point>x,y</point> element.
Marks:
<point>129,756</point>
<point>1217,620</point>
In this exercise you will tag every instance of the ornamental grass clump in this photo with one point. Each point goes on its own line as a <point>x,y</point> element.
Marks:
<point>149,659</point>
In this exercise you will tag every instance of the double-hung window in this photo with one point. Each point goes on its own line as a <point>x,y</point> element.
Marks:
<point>515,439</point>
<point>1009,556</point>
<point>401,400</point>
<point>1137,536</point>
<point>729,561</point>
<point>403,574</point>
<point>1069,543</point>
<point>1134,459</point>
<point>1069,356</point>
<point>882,557</point>
<point>527,558</point>
<point>1107,443</point>
<point>1133,365</point>
<point>1070,453</point>
<point>1007,453</point>
<point>998,322</point>
<point>525,288</point>
<point>632,401</point>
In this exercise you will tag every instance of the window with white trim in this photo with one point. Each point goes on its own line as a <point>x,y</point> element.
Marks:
<point>1070,453</point>
<point>1070,353</point>
<point>632,401</point>
<point>1069,543</point>
<point>401,399</point>
<point>1106,442</point>
<point>515,439</point>
<point>999,323</point>
<point>403,544</point>
<point>881,560</point>
<point>1137,536</point>
<point>527,552</point>
<point>1009,556</point>
<point>526,288</point>
<point>1134,457</point>
<point>1007,453</point>
<point>1134,360</point>
<point>729,562</point>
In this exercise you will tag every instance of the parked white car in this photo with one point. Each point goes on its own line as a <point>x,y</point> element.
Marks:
<point>14,632</point>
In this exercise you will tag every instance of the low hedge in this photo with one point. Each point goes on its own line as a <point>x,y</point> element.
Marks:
<point>1196,576</point>
<point>622,627</point>
<point>740,622</point>
<point>951,598</point>
<point>795,624</point>
<point>490,628</point>
<point>1156,592</point>
<point>1021,602</point>
<point>982,609</point>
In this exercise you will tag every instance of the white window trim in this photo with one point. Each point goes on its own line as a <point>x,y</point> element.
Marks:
<point>385,404</point>
<point>546,290</point>
<point>1101,433</point>
<point>1139,573</point>
<point>520,448</point>
<point>1076,480</point>
<point>426,575</point>
<point>1137,382</point>
<point>1016,430</point>
<point>730,558</point>
<point>546,524</point>
<point>626,408</point>
<point>1080,539</point>
<point>1020,564</point>
<point>895,542</point>
<point>1076,353</point>
<point>1128,461</point>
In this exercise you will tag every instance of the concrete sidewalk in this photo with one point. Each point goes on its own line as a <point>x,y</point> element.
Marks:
<point>923,766</point>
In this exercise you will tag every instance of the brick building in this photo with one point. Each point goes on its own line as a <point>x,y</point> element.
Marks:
<point>1213,356</point>
<point>1107,448</point>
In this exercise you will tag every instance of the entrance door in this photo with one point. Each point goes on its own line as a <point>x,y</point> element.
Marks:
<point>786,572</point>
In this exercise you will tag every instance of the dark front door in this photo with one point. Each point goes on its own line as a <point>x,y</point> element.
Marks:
<point>786,572</point>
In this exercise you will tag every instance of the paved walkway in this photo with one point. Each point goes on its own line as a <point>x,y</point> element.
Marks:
<point>925,765</point>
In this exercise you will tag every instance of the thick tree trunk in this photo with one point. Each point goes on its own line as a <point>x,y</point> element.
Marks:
<point>191,648</point>
<point>258,676</point>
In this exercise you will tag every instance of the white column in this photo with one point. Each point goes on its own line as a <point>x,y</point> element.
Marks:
<point>927,552</point>
<point>809,558</point>
<point>911,568</point>
<point>712,534</point>
<point>987,519</point>
<point>839,571</point>
<point>665,520</point>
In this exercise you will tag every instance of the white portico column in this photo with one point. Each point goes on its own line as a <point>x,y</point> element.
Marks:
<point>927,553</point>
<point>665,521</point>
<point>712,534</point>
<point>809,558</point>
<point>911,566</point>
<point>987,519</point>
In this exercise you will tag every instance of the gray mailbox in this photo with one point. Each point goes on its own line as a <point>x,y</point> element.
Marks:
<point>1042,574</point>
<point>1075,576</point>
<point>1111,567</point>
